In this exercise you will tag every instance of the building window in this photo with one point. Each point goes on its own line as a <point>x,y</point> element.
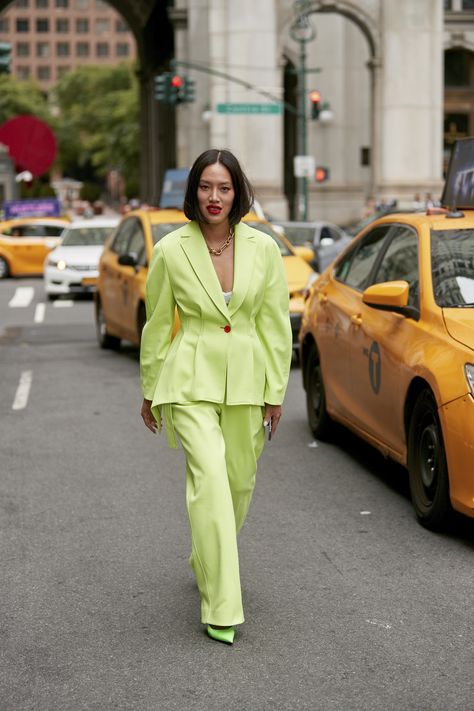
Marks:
<point>468,4</point>
<point>62,49</point>
<point>22,25</point>
<point>62,3</point>
<point>42,25</point>
<point>122,49</point>
<point>82,49</point>
<point>101,5</point>
<point>121,26</point>
<point>82,26</point>
<point>62,70</point>
<point>43,73</point>
<point>42,3</point>
<point>22,49</point>
<point>42,49</point>
<point>62,26</point>
<point>82,4</point>
<point>457,67</point>
<point>22,3</point>
<point>102,49</point>
<point>23,72</point>
<point>4,25</point>
<point>102,25</point>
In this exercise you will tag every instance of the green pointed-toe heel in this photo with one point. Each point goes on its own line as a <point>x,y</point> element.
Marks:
<point>225,634</point>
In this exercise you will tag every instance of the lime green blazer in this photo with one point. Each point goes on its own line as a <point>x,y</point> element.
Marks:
<point>238,353</point>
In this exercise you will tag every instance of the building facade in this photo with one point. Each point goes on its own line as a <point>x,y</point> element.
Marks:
<point>51,37</point>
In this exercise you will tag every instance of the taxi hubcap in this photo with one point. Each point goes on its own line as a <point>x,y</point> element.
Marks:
<point>428,455</point>
<point>3,269</point>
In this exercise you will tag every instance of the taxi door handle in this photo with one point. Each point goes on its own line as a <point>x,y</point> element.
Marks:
<point>356,319</point>
<point>322,298</point>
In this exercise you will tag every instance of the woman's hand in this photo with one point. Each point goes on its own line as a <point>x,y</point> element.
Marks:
<point>147,416</point>
<point>273,415</point>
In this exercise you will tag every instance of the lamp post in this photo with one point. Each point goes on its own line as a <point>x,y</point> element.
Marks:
<point>302,32</point>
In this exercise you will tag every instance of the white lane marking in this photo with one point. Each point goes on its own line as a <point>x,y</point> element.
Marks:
<point>23,390</point>
<point>23,297</point>
<point>60,304</point>
<point>313,444</point>
<point>39,313</point>
<point>365,513</point>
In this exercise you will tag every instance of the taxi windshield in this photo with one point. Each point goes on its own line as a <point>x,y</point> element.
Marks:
<point>161,229</point>
<point>452,265</point>
<point>85,236</point>
<point>263,227</point>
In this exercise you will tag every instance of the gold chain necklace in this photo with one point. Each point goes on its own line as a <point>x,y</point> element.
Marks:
<point>217,252</point>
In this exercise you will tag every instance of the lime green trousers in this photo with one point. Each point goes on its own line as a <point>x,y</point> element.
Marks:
<point>222,444</point>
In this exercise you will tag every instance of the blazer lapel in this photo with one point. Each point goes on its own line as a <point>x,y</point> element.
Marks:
<point>244,260</point>
<point>196,251</point>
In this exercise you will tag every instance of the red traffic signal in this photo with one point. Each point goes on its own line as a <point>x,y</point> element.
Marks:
<point>321,174</point>
<point>177,81</point>
<point>315,98</point>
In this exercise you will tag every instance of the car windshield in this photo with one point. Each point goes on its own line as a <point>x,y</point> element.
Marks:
<point>263,227</point>
<point>299,235</point>
<point>452,265</point>
<point>85,236</point>
<point>161,229</point>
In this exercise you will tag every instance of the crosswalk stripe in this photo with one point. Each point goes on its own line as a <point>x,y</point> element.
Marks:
<point>23,390</point>
<point>39,312</point>
<point>23,297</point>
<point>60,304</point>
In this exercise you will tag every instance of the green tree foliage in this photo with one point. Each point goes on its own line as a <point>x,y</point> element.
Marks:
<point>98,121</point>
<point>22,97</point>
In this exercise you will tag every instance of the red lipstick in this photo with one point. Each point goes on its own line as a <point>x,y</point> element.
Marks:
<point>213,209</point>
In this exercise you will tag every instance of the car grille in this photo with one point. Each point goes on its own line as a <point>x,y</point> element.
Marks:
<point>82,267</point>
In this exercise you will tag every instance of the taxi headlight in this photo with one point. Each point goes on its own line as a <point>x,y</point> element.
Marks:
<point>469,373</point>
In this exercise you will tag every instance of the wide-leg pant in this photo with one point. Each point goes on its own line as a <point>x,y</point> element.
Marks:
<point>222,444</point>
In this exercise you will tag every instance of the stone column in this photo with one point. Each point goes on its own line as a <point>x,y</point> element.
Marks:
<point>409,99</point>
<point>243,43</point>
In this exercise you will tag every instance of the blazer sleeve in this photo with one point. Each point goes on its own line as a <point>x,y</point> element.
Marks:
<point>157,332</point>
<point>274,328</point>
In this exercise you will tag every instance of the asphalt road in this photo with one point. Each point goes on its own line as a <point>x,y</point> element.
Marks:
<point>350,604</point>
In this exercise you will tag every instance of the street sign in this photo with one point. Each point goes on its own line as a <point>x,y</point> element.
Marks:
<point>304,166</point>
<point>248,108</point>
<point>34,207</point>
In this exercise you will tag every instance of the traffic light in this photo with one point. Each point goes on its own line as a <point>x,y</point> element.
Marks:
<point>174,89</point>
<point>162,87</point>
<point>315,99</point>
<point>321,174</point>
<point>5,57</point>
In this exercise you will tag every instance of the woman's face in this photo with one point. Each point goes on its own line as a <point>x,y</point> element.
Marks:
<point>215,194</point>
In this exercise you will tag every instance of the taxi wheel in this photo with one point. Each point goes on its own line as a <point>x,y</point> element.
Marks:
<point>105,339</point>
<point>428,470</point>
<point>4,268</point>
<point>319,421</point>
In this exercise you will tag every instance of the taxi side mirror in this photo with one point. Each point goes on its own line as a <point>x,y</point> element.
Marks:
<point>304,253</point>
<point>390,296</point>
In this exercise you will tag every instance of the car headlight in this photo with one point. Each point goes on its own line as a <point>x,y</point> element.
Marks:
<point>469,373</point>
<point>58,263</point>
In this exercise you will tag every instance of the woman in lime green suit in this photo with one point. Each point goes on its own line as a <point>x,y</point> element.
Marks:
<point>222,379</point>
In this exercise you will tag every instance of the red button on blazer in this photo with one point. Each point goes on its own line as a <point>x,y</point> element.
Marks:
<point>227,329</point>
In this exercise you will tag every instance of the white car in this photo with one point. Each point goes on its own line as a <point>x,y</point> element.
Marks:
<point>72,268</point>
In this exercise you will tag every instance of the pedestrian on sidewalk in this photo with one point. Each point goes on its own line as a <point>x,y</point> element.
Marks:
<point>223,377</point>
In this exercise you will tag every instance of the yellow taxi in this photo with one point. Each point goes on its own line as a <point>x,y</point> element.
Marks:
<point>387,349</point>
<point>120,296</point>
<point>25,243</point>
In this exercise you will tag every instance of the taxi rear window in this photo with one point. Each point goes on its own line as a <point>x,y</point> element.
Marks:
<point>452,266</point>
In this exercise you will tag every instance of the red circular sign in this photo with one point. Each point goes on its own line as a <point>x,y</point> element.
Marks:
<point>30,142</point>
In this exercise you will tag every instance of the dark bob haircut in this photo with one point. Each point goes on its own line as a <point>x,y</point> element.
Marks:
<point>243,198</point>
